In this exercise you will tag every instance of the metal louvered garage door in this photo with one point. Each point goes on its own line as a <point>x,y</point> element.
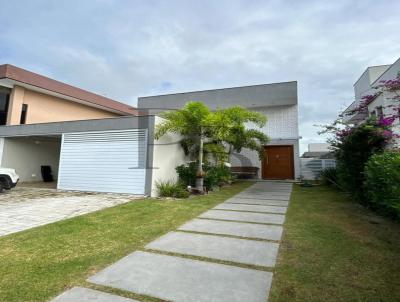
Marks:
<point>107,161</point>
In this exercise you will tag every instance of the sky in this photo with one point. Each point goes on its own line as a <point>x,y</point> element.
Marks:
<point>123,49</point>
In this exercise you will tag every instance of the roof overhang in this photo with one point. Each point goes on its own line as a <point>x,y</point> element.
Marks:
<point>59,128</point>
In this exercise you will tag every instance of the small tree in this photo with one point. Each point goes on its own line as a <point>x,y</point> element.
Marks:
<point>193,122</point>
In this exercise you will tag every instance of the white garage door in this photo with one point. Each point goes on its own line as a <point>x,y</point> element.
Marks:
<point>110,161</point>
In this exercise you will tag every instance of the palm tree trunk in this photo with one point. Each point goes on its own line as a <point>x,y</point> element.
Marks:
<point>200,178</point>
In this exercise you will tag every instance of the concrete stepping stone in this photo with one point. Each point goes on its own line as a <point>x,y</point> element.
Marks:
<point>240,229</point>
<point>185,280</point>
<point>244,216</point>
<point>251,208</point>
<point>80,294</point>
<point>265,202</point>
<point>263,197</point>
<point>268,191</point>
<point>216,247</point>
<point>254,188</point>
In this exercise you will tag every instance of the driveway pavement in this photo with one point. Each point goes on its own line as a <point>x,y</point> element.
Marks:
<point>24,207</point>
<point>226,254</point>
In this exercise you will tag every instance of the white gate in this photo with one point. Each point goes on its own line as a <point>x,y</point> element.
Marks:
<point>311,168</point>
<point>107,161</point>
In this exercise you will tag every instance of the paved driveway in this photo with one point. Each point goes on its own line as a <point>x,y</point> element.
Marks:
<point>24,208</point>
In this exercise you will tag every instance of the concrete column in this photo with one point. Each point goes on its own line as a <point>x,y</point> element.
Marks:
<point>15,105</point>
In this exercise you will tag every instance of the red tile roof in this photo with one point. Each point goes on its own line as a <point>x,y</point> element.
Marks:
<point>11,72</point>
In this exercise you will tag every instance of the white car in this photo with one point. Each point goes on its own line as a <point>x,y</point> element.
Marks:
<point>8,179</point>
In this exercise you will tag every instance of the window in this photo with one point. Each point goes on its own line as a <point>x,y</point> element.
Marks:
<point>373,113</point>
<point>24,112</point>
<point>4,102</point>
<point>379,112</point>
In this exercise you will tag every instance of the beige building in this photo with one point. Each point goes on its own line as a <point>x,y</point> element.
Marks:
<point>30,98</point>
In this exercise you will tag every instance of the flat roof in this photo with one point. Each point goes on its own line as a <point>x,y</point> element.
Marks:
<point>25,77</point>
<point>272,94</point>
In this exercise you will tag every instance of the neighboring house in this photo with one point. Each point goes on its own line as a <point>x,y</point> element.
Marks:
<point>318,155</point>
<point>30,98</point>
<point>278,101</point>
<point>319,151</point>
<point>92,143</point>
<point>381,103</point>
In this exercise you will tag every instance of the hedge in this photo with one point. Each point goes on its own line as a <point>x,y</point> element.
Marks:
<point>382,182</point>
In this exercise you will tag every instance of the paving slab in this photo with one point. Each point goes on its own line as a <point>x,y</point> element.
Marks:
<point>263,197</point>
<point>269,192</point>
<point>244,251</point>
<point>244,216</point>
<point>185,280</point>
<point>265,202</point>
<point>80,294</point>
<point>264,194</point>
<point>240,229</point>
<point>251,208</point>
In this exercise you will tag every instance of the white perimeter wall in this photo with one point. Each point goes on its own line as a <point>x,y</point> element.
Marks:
<point>167,155</point>
<point>26,155</point>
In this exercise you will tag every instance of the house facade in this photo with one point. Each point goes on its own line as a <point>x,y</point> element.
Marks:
<point>380,104</point>
<point>92,143</point>
<point>277,101</point>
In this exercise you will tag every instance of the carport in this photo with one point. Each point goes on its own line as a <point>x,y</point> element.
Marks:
<point>107,155</point>
<point>117,155</point>
<point>27,154</point>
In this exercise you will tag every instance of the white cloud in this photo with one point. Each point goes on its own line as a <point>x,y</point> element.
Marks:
<point>125,49</point>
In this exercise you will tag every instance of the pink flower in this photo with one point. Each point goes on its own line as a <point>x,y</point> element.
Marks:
<point>386,121</point>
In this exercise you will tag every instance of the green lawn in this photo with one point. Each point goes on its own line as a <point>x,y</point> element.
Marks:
<point>335,250</point>
<point>37,264</point>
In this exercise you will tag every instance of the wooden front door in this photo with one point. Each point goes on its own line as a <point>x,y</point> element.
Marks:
<point>278,162</point>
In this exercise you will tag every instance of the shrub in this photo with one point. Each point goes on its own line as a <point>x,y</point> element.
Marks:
<point>215,175</point>
<point>382,182</point>
<point>329,176</point>
<point>172,189</point>
<point>187,173</point>
<point>353,149</point>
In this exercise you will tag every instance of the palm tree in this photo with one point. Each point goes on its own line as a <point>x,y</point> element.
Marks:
<point>214,132</point>
<point>193,122</point>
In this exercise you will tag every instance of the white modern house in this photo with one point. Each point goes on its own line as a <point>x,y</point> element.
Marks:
<point>382,102</point>
<point>278,101</point>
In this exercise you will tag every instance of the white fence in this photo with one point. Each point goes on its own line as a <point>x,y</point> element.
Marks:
<point>311,168</point>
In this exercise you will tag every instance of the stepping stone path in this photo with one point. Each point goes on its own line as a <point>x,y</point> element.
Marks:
<point>251,208</point>
<point>225,254</point>
<point>89,295</point>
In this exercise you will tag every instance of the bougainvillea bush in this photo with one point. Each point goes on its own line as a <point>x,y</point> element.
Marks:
<point>353,147</point>
<point>382,182</point>
<point>356,144</point>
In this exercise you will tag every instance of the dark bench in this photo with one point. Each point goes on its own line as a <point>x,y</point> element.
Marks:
<point>245,171</point>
